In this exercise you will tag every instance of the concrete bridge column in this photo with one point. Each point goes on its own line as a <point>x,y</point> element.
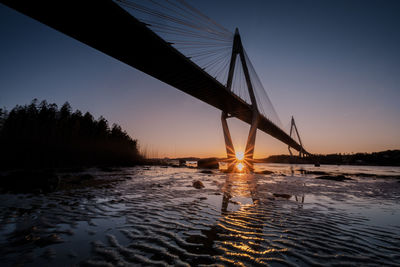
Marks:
<point>251,142</point>
<point>230,150</point>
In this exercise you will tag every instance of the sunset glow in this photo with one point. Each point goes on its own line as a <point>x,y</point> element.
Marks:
<point>239,155</point>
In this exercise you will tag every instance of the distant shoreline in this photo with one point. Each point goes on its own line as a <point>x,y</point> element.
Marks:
<point>388,158</point>
<point>383,158</point>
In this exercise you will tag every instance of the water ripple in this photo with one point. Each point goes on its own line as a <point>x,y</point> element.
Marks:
<point>157,218</point>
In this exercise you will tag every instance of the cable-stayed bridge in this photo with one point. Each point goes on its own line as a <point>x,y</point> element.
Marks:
<point>177,44</point>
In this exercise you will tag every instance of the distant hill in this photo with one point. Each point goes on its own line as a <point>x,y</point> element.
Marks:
<point>383,158</point>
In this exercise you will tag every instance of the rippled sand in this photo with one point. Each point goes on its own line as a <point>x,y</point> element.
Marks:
<point>154,216</point>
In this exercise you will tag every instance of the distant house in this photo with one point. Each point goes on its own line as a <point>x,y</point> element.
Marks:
<point>191,163</point>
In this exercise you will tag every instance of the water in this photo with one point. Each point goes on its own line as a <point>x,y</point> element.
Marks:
<point>154,216</point>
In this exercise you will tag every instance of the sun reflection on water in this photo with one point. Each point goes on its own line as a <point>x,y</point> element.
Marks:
<point>240,166</point>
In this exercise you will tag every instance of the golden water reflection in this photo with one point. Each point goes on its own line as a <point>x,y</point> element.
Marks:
<point>243,232</point>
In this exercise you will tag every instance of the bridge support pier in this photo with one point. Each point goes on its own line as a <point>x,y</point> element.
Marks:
<point>251,142</point>
<point>230,150</point>
<point>247,161</point>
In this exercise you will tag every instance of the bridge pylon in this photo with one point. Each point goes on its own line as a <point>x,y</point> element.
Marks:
<point>293,126</point>
<point>237,49</point>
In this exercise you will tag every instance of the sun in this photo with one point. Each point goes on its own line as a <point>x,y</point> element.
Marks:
<point>240,166</point>
<point>239,155</point>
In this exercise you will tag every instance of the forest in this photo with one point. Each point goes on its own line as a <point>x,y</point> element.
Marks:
<point>41,135</point>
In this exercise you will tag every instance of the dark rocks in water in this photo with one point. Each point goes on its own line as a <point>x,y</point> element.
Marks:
<point>360,174</point>
<point>339,178</point>
<point>78,179</point>
<point>75,169</point>
<point>318,172</point>
<point>206,172</point>
<point>48,240</point>
<point>108,169</point>
<point>86,177</point>
<point>72,254</point>
<point>208,163</point>
<point>198,184</point>
<point>303,171</point>
<point>49,254</point>
<point>196,239</point>
<point>264,172</point>
<point>30,181</point>
<point>286,196</point>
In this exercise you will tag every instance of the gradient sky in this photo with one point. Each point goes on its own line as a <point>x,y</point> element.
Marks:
<point>334,65</point>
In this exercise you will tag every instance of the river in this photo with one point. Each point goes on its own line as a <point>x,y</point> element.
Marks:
<point>153,215</point>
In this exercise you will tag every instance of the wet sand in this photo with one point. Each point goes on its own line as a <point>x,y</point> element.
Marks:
<point>154,216</point>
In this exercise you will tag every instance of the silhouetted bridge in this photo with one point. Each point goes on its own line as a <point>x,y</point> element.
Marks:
<point>107,27</point>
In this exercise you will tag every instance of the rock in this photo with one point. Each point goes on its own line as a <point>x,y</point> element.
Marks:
<point>287,196</point>
<point>30,181</point>
<point>49,254</point>
<point>208,163</point>
<point>107,169</point>
<point>86,177</point>
<point>234,202</point>
<point>72,254</point>
<point>52,183</point>
<point>265,172</point>
<point>360,174</point>
<point>316,172</point>
<point>206,171</point>
<point>198,184</point>
<point>48,240</point>
<point>339,178</point>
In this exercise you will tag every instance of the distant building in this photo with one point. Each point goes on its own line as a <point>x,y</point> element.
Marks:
<point>191,163</point>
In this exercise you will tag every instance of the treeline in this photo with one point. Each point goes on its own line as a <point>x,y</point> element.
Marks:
<point>44,136</point>
<point>384,158</point>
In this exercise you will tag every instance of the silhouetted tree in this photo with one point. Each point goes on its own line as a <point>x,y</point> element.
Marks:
<point>41,135</point>
<point>3,115</point>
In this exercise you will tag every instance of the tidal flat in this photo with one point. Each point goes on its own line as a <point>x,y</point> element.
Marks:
<point>155,216</point>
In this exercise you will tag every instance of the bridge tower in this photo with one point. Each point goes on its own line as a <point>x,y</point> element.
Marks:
<point>293,126</point>
<point>237,49</point>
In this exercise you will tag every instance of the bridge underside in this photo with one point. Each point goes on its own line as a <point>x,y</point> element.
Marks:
<point>105,26</point>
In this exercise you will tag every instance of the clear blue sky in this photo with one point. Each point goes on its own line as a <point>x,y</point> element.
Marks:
<point>334,65</point>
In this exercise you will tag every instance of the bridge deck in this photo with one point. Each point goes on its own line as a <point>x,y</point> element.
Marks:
<point>105,26</point>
